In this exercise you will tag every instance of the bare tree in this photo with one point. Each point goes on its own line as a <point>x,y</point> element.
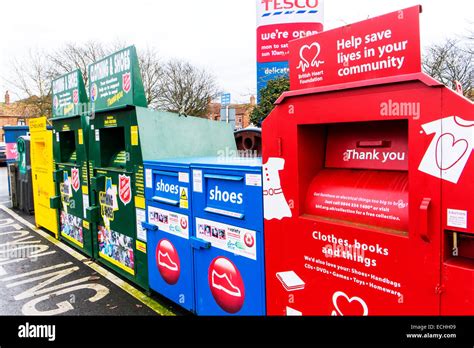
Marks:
<point>73,56</point>
<point>31,80</point>
<point>40,68</point>
<point>451,61</point>
<point>152,71</point>
<point>185,89</point>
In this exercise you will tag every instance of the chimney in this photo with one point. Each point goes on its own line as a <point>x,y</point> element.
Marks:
<point>7,98</point>
<point>252,100</point>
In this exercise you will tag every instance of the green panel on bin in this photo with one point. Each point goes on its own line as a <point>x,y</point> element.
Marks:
<point>116,82</point>
<point>69,95</point>
<point>166,135</point>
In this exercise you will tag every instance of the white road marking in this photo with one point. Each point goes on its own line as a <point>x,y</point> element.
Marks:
<point>139,295</point>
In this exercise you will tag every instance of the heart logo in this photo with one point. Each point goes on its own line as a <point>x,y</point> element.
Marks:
<point>309,55</point>
<point>449,151</point>
<point>346,306</point>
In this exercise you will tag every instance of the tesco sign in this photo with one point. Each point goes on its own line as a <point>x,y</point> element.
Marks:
<point>279,22</point>
<point>289,4</point>
<point>289,11</point>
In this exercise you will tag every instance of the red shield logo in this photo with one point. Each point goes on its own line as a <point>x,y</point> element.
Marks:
<point>75,96</point>
<point>75,179</point>
<point>126,82</point>
<point>125,189</point>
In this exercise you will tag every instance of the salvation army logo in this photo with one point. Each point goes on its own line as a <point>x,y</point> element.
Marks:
<point>75,96</point>
<point>309,56</point>
<point>227,286</point>
<point>94,92</point>
<point>447,144</point>
<point>126,82</point>
<point>345,306</point>
<point>56,102</point>
<point>168,262</point>
<point>125,189</point>
<point>249,240</point>
<point>75,179</point>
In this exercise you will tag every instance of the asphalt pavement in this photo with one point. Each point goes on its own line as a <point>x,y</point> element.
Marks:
<point>42,276</point>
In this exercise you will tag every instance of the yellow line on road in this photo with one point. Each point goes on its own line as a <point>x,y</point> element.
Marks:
<point>139,295</point>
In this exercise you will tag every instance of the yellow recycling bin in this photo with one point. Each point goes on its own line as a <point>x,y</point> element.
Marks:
<point>42,174</point>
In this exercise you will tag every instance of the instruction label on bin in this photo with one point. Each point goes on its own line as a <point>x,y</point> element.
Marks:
<point>85,205</point>
<point>253,180</point>
<point>148,178</point>
<point>169,222</point>
<point>197,181</point>
<point>184,177</point>
<point>457,218</point>
<point>141,217</point>
<point>229,238</point>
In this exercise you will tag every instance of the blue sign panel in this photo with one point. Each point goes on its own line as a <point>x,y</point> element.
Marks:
<point>225,99</point>
<point>270,71</point>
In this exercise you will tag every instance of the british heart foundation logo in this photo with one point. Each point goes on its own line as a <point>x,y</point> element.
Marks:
<point>75,179</point>
<point>125,189</point>
<point>167,260</point>
<point>227,286</point>
<point>309,56</point>
<point>126,82</point>
<point>345,306</point>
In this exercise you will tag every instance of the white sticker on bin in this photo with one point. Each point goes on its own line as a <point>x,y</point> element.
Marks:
<point>148,178</point>
<point>169,222</point>
<point>232,239</point>
<point>457,218</point>
<point>253,180</point>
<point>85,205</point>
<point>184,177</point>
<point>197,181</point>
<point>141,217</point>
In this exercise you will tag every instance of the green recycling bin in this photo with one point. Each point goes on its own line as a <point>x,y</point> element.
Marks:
<point>24,183</point>
<point>70,145</point>
<point>116,166</point>
<point>122,133</point>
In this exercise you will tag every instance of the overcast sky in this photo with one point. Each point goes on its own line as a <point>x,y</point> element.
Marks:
<point>219,35</point>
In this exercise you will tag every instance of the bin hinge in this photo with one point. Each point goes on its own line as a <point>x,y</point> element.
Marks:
<point>149,227</point>
<point>93,214</point>
<point>55,202</point>
<point>58,175</point>
<point>439,289</point>
<point>198,243</point>
<point>98,183</point>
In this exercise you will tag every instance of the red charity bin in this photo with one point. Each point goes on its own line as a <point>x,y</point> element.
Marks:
<point>372,212</point>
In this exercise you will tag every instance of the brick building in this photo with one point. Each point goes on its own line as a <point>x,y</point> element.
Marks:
<point>242,113</point>
<point>14,114</point>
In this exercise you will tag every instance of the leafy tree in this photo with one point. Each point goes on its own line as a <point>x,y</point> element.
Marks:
<point>268,96</point>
